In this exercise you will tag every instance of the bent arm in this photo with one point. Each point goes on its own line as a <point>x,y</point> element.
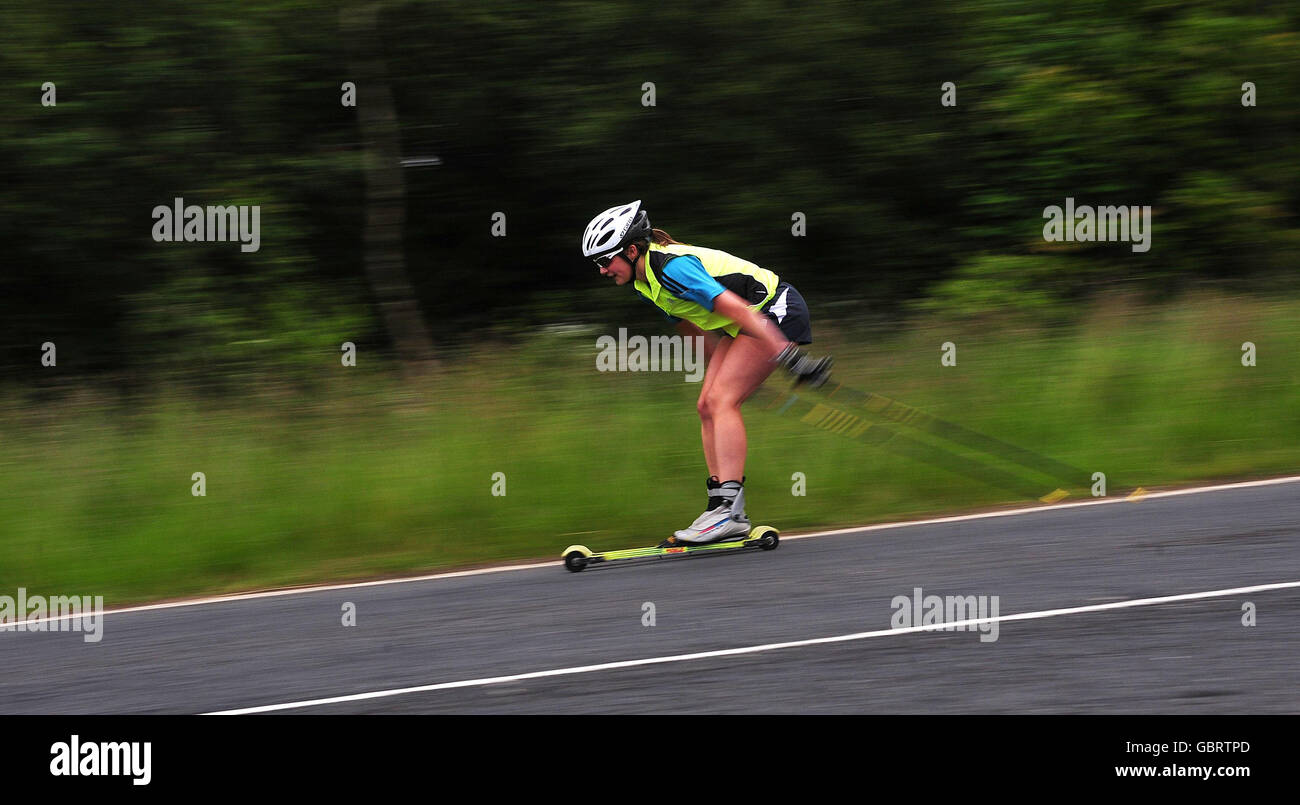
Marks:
<point>752,323</point>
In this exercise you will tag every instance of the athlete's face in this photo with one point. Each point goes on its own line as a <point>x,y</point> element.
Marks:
<point>620,268</point>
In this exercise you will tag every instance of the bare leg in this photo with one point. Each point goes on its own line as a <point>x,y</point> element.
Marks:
<point>733,375</point>
<point>719,354</point>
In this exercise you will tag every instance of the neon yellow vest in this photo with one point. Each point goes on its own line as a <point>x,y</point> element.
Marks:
<point>756,285</point>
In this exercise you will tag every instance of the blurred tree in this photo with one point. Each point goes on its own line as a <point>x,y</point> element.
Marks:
<point>764,108</point>
<point>385,192</point>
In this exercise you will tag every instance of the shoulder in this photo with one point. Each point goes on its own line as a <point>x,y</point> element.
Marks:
<point>660,256</point>
<point>686,269</point>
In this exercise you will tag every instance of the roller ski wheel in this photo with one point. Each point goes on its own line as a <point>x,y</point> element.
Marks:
<point>767,536</point>
<point>575,558</point>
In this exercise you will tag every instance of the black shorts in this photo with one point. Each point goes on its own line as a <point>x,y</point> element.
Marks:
<point>790,314</point>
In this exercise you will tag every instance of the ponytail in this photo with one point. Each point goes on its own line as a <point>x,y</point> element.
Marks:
<point>661,237</point>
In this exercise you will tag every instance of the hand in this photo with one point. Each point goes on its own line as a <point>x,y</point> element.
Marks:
<point>813,372</point>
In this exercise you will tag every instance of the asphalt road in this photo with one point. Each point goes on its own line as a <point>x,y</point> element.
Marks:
<point>1181,657</point>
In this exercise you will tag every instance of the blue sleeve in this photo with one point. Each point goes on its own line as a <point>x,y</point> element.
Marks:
<point>685,278</point>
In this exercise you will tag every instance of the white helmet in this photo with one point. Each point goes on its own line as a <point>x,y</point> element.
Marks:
<point>614,228</point>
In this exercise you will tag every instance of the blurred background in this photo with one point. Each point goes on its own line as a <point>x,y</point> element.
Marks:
<point>476,352</point>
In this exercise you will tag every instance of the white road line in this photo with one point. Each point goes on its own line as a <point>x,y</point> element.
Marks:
<point>225,599</point>
<point>702,655</point>
<point>1290,479</point>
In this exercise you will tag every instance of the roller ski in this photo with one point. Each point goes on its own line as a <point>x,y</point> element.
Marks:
<point>580,557</point>
<point>722,528</point>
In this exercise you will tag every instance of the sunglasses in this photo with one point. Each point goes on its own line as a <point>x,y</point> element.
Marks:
<point>603,262</point>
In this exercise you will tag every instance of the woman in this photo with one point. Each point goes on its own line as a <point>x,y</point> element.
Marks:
<point>751,321</point>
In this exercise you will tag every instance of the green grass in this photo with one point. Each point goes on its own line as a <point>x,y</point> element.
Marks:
<point>368,476</point>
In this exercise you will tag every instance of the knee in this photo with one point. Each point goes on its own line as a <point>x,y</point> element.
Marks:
<point>714,403</point>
